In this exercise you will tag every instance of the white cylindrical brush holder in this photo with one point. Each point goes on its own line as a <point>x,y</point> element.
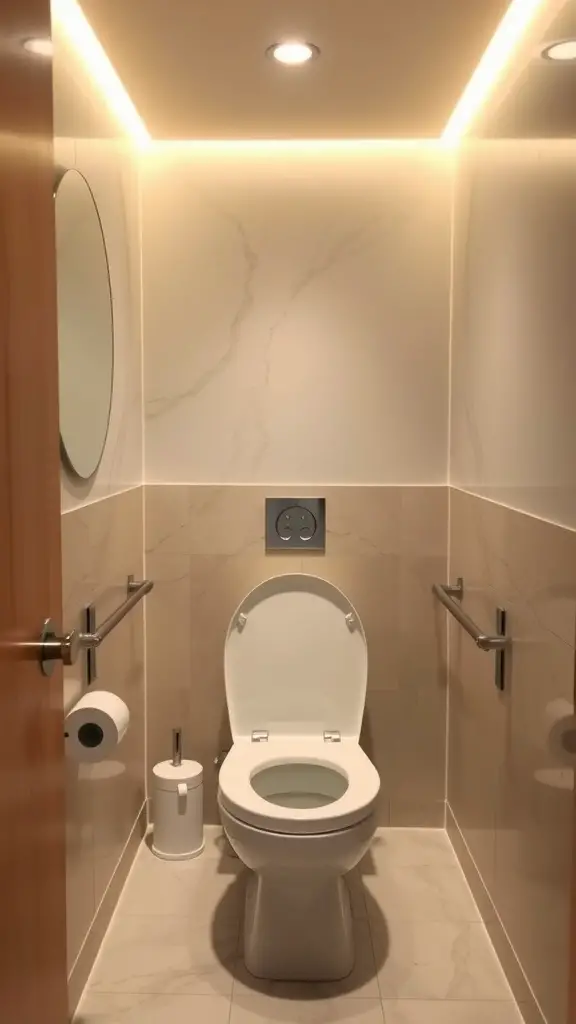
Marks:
<point>177,810</point>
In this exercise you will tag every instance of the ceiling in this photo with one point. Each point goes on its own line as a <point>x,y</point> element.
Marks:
<point>195,69</point>
<point>542,102</point>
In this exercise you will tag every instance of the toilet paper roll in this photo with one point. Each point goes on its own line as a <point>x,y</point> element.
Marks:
<point>94,727</point>
<point>561,730</point>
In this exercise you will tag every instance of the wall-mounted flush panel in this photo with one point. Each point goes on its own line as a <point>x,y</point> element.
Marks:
<point>295,523</point>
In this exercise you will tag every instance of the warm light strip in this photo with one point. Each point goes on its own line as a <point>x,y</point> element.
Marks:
<point>296,145</point>
<point>71,19</point>
<point>515,24</point>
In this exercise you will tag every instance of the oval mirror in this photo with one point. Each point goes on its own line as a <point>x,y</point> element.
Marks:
<point>85,326</point>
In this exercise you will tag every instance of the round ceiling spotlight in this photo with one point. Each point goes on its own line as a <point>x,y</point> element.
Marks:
<point>40,46</point>
<point>565,50</point>
<point>293,53</point>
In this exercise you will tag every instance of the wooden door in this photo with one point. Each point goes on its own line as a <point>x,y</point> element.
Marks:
<point>32,814</point>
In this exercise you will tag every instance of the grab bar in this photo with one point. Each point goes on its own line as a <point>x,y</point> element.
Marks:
<point>51,646</point>
<point>449,594</point>
<point>136,591</point>
<point>94,635</point>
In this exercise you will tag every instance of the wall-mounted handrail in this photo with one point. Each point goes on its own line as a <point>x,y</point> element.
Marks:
<point>136,591</point>
<point>450,595</point>
<point>51,646</point>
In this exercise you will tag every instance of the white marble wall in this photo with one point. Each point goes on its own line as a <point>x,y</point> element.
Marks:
<point>296,304</point>
<point>88,138</point>
<point>513,436</point>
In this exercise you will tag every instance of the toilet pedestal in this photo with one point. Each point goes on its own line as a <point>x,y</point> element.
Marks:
<point>298,926</point>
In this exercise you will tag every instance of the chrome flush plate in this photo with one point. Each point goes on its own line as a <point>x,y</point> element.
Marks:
<point>295,524</point>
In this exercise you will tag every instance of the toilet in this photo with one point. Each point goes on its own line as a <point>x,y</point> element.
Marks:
<point>296,792</point>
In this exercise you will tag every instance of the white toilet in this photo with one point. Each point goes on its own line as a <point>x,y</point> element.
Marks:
<point>296,793</point>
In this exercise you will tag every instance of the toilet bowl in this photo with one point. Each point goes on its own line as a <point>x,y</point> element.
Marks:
<point>296,792</point>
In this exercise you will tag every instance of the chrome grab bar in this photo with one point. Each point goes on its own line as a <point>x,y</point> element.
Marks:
<point>51,647</point>
<point>136,591</point>
<point>450,594</point>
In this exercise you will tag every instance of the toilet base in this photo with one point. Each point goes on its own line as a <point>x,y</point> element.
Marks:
<point>298,927</point>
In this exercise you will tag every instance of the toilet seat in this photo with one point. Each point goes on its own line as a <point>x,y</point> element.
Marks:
<point>247,758</point>
<point>295,661</point>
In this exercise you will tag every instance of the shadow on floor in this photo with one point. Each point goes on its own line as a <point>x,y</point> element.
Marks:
<point>368,961</point>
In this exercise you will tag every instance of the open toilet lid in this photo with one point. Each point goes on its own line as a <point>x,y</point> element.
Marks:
<point>295,660</point>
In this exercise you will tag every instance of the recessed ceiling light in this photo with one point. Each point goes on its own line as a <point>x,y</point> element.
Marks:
<point>42,47</point>
<point>564,50</point>
<point>293,53</point>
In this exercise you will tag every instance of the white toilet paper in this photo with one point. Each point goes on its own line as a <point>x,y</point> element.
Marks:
<point>94,727</point>
<point>561,730</point>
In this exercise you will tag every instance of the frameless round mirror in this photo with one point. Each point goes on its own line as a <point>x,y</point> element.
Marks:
<point>85,326</point>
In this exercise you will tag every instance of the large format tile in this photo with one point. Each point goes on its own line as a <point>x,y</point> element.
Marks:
<point>166,954</point>
<point>516,823</point>
<point>305,309</point>
<point>266,1010</point>
<point>421,892</point>
<point>104,1008</point>
<point>411,847</point>
<point>437,960</point>
<point>406,1011</point>
<point>513,356</point>
<point>198,888</point>
<point>102,544</point>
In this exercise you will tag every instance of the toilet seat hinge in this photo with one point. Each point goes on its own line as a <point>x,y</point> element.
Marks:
<point>331,736</point>
<point>260,736</point>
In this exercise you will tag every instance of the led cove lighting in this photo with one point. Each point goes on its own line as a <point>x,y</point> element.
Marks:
<point>293,53</point>
<point>72,21</point>
<point>40,47</point>
<point>562,51</point>
<point>510,32</point>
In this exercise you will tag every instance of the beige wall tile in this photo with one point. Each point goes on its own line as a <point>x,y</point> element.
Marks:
<point>503,784</point>
<point>102,544</point>
<point>205,549</point>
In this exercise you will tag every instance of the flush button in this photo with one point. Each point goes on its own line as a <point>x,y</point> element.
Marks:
<point>295,523</point>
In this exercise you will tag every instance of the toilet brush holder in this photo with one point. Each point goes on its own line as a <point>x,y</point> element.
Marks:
<point>177,806</point>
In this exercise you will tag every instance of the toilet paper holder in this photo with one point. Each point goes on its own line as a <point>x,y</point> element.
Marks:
<point>51,647</point>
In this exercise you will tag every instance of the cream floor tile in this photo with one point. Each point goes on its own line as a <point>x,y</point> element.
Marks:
<point>406,1011</point>
<point>411,847</point>
<point>103,1008</point>
<point>203,887</point>
<point>361,983</point>
<point>161,954</point>
<point>420,892</point>
<point>266,1010</point>
<point>216,844</point>
<point>437,960</point>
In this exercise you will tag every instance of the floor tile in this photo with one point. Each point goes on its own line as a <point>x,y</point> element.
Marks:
<point>361,983</point>
<point>406,1011</point>
<point>421,892</point>
<point>103,1008</point>
<point>437,960</point>
<point>265,1010</point>
<point>202,887</point>
<point>216,844</point>
<point>161,954</point>
<point>409,847</point>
